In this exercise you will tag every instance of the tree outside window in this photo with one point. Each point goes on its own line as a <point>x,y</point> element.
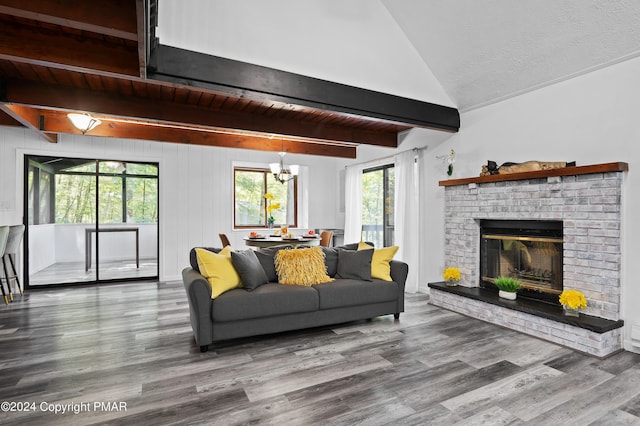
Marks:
<point>378,219</point>
<point>128,192</point>
<point>250,206</point>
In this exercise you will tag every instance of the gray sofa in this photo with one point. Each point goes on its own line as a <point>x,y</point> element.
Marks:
<point>273,307</point>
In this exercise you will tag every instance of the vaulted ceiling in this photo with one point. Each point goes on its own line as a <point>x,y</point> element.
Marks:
<point>486,51</point>
<point>68,56</point>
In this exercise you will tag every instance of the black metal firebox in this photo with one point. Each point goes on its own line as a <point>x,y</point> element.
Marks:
<point>529,250</point>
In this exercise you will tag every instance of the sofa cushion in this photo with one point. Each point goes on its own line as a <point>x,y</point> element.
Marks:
<point>354,264</point>
<point>301,266</point>
<point>265,301</point>
<point>380,268</point>
<point>193,260</point>
<point>218,270</point>
<point>266,256</point>
<point>348,292</point>
<point>249,268</point>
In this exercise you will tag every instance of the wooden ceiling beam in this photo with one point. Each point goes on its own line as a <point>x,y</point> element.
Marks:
<point>142,38</point>
<point>8,120</point>
<point>30,118</point>
<point>52,96</point>
<point>108,17</point>
<point>242,79</point>
<point>36,45</point>
<point>56,121</point>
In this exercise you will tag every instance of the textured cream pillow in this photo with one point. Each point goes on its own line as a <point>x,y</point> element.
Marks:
<point>301,267</point>
<point>218,269</point>
<point>380,267</point>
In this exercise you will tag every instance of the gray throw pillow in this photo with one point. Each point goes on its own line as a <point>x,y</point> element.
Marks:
<point>266,257</point>
<point>354,264</point>
<point>249,269</point>
<point>331,260</point>
<point>353,246</point>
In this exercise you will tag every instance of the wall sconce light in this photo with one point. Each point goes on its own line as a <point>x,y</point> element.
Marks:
<point>83,122</point>
<point>282,174</point>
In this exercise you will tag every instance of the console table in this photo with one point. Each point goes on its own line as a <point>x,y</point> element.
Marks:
<point>88,240</point>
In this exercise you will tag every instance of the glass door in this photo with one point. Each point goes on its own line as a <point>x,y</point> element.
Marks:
<point>90,220</point>
<point>378,191</point>
<point>127,220</point>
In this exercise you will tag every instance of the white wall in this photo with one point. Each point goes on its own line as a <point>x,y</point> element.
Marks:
<point>196,188</point>
<point>590,119</point>
<point>354,42</point>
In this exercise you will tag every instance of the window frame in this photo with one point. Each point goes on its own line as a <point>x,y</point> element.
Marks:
<point>266,172</point>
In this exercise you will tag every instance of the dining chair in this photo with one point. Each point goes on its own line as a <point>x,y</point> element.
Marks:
<point>325,238</point>
<point>13,245</point>
<point>4,236</point>
<point>224,239</point>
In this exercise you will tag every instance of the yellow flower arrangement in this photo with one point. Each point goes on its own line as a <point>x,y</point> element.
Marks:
<point>452,274</point>
<point>573,299</point>
<point>271,206</point>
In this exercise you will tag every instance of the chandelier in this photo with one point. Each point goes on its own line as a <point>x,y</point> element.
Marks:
<point>282,174</point>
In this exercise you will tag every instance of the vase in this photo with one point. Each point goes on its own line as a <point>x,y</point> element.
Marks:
<point>451,283</point>
<point>507,295</point>
<point>571,312</point>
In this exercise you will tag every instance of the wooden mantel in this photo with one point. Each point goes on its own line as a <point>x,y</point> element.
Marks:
<point>565,171</point>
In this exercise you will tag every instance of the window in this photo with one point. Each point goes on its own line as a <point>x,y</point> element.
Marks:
<point>377,205</point>
<point>128,193</point>
<point>64,191</point>
<point>40,192</point>
<point>250,206</point>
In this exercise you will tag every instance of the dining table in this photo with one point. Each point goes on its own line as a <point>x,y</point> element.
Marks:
<point>276,240</point>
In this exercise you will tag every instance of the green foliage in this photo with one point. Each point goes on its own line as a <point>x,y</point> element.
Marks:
<point>377,203</point>
<point>75,193</point>
<point>509,284</point>
<point>250,207</point>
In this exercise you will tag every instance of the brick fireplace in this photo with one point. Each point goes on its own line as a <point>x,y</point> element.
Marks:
<point>588,202</point>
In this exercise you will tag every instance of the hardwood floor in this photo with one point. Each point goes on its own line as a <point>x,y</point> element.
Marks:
<point>74,272</point>
<point>131,344</point>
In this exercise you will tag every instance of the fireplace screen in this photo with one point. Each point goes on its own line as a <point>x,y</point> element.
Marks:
<point>530,251</point>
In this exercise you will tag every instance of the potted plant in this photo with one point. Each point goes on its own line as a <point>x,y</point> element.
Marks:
<point>271,206</point>
<point>451,276</point>
<point>508,287</point>
<point>572,301</point>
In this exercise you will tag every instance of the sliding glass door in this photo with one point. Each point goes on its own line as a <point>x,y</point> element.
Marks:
<point>90,220</point>
<point>378,191</point>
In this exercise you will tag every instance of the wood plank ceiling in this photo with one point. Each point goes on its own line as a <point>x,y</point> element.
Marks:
<point>68,56</point>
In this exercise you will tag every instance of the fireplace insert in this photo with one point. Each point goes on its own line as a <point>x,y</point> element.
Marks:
<point>529,250</point>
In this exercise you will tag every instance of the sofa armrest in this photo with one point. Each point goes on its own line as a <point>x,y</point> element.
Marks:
<point>199,297</point>
<point>399,272</point>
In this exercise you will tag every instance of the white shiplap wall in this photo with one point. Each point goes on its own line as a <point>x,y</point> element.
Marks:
<point>195,186</point>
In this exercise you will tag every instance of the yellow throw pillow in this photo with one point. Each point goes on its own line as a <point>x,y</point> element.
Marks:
<point>301,267</point>
<point>364,246</point>
<point>380,267</point>
<point>218,270</point>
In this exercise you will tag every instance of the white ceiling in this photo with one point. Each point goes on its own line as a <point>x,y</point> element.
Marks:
<point>483,51</point>
<point>462,53</point>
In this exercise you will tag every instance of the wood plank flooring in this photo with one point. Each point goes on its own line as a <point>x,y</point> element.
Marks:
<point>130,346</point>
<point>74,272</point>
